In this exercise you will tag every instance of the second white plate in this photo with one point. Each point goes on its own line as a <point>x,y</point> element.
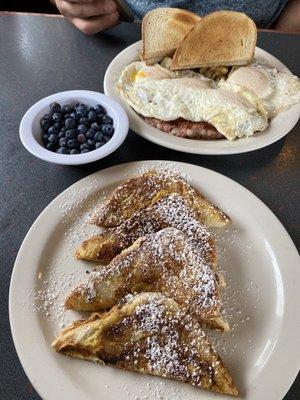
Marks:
<point>262,271</point>
<point>279,126</point>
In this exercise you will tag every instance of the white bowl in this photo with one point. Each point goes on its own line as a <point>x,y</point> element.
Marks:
<point>31,132</point>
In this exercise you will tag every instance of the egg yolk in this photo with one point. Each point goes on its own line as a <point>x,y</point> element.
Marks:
<point>137,75</point>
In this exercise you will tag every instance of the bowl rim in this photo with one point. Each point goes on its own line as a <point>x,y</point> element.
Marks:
<point>121,124</point>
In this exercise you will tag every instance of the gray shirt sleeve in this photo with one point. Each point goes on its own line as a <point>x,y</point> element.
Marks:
<point>263,12</point>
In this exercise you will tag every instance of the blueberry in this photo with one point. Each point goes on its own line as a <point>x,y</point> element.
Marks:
<point>81,129</point>
<point>67,115</point>
<point>91,108</point>
<point>96,126</point>
<point>78,116</point>
<point>53,129</point>
<point>45,139</point>
<point>73,115</point>
<point>67,109</point>
<point>81,138</point>
<point>91,143</point>
<point>92,116</point>
<point>74,151</point>
<point>84,146</point>
<point>107,120</point>
<point>55,108</point>
<point>99,144</point>
<point>84,121</point>
<point>98,137</point>
<point>100,117</point>
<point>57,117</point>
<point>53,138</point>
<point>70,123</point>
<point>90,134</point>
<point>45,124</point>
<point>85,151</point>
<point>58,125</point>
<point>51,146</point>
<point>79,104</point>
<point>107,129</point>
<point>106,139</point>
<point>72,144</point>
<point>99,109</point>
<point>61,134</point>
<point>62,150</point>
<point>70,134</point>
<point>48,117</point>
<point>62,142</point>
<point>64,129</point>
<point>81,111</point>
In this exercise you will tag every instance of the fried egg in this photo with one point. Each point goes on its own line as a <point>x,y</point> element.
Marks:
<point>275,90</point>
<point>154,91</point>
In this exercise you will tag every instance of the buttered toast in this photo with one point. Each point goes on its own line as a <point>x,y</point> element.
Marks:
<point>166,262</point>
<point>152,334</point>
<point>143,190</point>
<point>162,30</point>
<point>171,210</point>
<point>222,38</point>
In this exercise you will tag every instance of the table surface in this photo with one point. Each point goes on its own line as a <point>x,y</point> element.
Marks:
<point>41,55</point>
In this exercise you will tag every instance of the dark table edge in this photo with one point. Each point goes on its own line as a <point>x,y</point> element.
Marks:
<point>30,14</point>
<point>60,16</point>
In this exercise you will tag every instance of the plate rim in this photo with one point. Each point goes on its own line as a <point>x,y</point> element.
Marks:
<point>137,125</point>
<point>14,305</point>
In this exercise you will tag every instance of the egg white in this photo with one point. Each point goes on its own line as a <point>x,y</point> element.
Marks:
<point>154,91</point>
<point>275,90</point>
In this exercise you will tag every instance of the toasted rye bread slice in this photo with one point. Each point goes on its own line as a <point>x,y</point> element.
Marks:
<point>143,190</point>
<point>152,334</point>
<point>162,30</point>
<point>223,38</point>
<point>169,211</point>
<point>167,262</point>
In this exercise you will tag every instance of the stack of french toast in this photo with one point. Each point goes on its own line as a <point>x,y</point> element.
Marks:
<point>157,285</point>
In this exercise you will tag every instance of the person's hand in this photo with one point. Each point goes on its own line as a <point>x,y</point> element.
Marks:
<point>89,16</point>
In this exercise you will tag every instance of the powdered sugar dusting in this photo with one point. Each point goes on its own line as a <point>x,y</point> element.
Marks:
<point>167,259</point>
<point>164,355</point>
<point>172,211</point>
<point>164,341</point>
<point>169,211</point>
<point>59,273</point>
<point>48,298</point>
<point>141,190</point>
<point>167,170</point>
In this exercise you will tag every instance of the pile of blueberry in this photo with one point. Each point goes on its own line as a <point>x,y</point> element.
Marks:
<point>75,129</point>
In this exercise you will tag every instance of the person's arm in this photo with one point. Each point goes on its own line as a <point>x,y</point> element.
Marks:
<point>289,19</point>
<point>89,16</point>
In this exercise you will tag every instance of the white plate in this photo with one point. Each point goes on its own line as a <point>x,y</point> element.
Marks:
<point>262,298</point>
<point>279,126</point>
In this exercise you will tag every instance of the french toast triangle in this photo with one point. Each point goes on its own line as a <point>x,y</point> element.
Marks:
<point>152,334</point>
<point>171,210</point>
<point>142,190</point>
<point>165,261</point>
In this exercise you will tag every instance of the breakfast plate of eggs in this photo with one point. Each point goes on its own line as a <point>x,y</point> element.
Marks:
<point>223,102</point>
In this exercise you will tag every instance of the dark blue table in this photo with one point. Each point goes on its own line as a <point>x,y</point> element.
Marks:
<point>40,55</point>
